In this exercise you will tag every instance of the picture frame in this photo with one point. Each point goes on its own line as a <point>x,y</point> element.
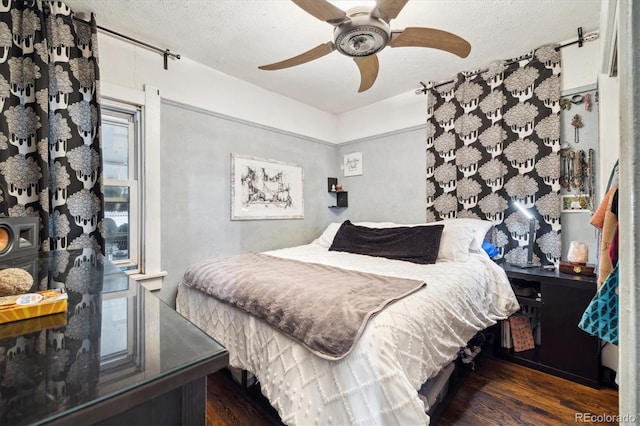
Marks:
<point>577,203</point>
<point>265,189</point>
<point>352,164</point>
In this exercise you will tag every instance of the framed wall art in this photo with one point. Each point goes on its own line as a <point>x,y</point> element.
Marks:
<point>353,164</point>
<point>576,203</point>
<point>265,189</point>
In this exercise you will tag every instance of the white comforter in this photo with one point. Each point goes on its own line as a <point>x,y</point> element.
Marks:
<point>403,346</point>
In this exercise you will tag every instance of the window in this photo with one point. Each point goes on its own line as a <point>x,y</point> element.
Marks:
<point>122,346</point>
<point>121,138</point>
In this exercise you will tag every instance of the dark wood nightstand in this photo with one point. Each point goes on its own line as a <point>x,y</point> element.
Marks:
<point>555,302</point>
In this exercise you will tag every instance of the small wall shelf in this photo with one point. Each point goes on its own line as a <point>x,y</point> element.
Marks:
<point>342,197</point>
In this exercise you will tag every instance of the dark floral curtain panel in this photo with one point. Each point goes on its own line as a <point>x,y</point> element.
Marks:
<point>50,169</point>
<point>493,138</point>
<point>50,154</point>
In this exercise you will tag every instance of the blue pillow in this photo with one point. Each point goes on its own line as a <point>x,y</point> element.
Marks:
<point>491,250</point>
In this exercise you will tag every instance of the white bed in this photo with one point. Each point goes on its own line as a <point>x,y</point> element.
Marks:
<point>401,347</point>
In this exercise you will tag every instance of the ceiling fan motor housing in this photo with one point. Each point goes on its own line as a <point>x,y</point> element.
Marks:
<point>362,34</point>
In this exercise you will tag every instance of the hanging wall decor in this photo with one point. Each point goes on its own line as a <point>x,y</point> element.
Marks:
<point>352,164</point>
<point>576,203</point>
<point>493,137</point>
<point>265,189</point>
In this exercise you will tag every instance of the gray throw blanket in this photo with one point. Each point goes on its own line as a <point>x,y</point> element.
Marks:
<point>323,307</point>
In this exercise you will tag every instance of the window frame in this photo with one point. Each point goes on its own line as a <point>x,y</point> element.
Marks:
<point>151,273</point>
<point>121,112</point>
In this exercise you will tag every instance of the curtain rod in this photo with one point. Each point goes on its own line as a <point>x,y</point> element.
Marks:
<point>165,52</point>
<point>589,37</point>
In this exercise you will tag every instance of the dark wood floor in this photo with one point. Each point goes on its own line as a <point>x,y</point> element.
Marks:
<point>496,393</point>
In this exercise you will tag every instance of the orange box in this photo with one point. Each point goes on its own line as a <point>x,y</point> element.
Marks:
<point>30,305</point>
<point>31,325</point>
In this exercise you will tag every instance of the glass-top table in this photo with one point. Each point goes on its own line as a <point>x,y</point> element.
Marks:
<point>118,354</point>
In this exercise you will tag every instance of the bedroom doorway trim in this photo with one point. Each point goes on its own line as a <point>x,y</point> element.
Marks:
<point>629,70</point>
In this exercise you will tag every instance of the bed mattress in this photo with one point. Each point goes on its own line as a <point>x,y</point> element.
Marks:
<point>407,343</point>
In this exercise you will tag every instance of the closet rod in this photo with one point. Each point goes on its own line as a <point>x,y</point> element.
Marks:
<point>589,37</point>
<point>165,52</point>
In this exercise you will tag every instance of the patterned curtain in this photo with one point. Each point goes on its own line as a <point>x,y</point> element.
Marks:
<point>493,137</point>
<point>50,152</point>
<point>51,169</point>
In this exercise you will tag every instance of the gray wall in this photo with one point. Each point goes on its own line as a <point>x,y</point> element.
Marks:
<point>196,149</point>
<point>392,187</point>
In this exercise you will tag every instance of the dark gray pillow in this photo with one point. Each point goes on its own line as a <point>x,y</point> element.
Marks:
<point>417,244</point>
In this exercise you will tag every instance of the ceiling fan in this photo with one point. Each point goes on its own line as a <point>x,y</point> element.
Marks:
<point>361,32</point>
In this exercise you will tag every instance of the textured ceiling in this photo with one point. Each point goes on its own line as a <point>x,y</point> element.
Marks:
<point>236,36</point>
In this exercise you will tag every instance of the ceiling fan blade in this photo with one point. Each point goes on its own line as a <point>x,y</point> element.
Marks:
<point>368,66</point>
<point>323,10</point>
<point>430,37</point>
<point>388,9</point>
<point>309,55</point>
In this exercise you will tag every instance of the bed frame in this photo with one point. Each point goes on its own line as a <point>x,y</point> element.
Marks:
<point>442,393</point>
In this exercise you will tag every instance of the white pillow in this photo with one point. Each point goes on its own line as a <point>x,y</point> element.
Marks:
<point>479,228</point>
<point>326,238</point>
<point>455,241</point>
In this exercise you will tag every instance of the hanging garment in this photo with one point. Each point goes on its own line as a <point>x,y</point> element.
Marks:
<point>608,229</point>
<point>597,219</point>
<point>613,248</point>
<point>600,319</point>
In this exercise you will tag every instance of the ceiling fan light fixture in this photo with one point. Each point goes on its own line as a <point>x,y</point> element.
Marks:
<point>361,41</point>
<point>362,34</point>
<point>362,31</point>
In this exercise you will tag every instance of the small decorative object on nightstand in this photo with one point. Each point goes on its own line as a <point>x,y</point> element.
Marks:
<point>578,252</point>
<point>577,268</point>
<point>577,260</point>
